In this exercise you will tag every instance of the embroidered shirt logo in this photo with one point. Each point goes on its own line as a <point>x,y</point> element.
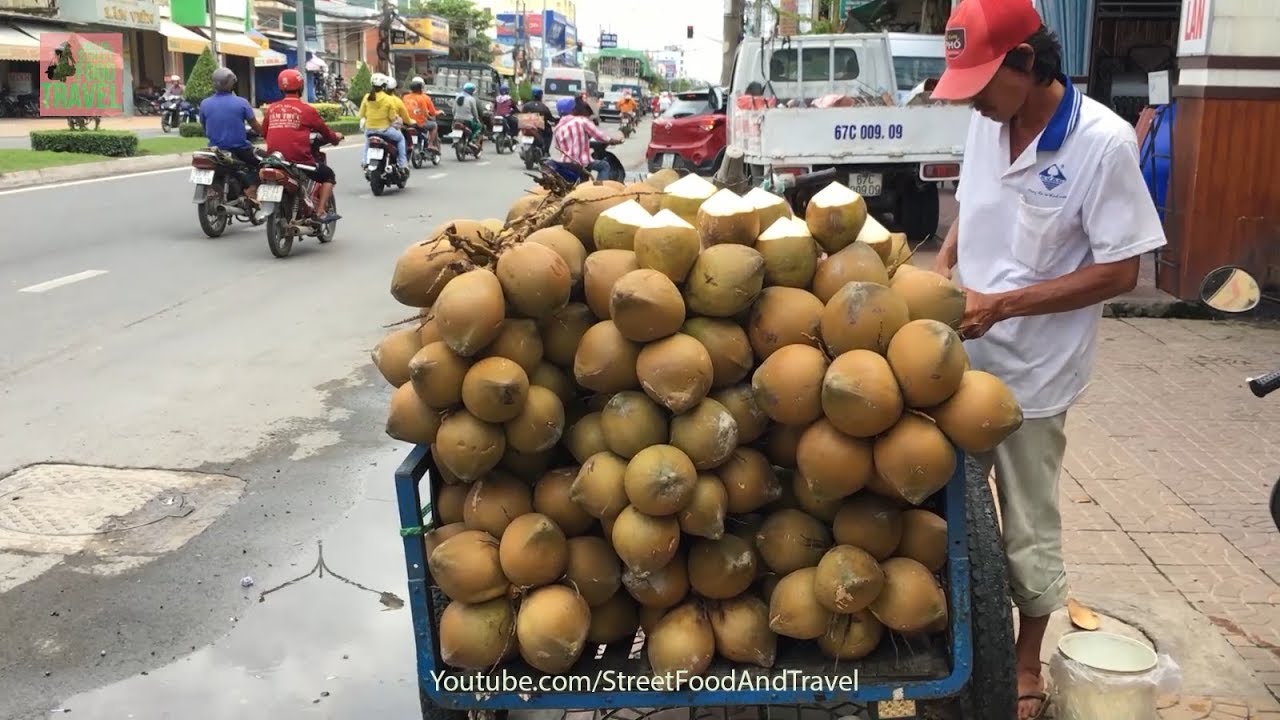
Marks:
<point>1052,177</point>
<point>954,42</point>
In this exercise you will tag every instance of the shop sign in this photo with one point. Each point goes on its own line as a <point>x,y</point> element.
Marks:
<point>20,83</point>
<point>137,14</point>
<point>1193,34</point>
<point>82,74</point>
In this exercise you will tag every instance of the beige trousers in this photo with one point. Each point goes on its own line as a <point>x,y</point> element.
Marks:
<point>1028,464</point>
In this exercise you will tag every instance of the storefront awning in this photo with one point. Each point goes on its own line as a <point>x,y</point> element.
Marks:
<point>17,45</point>
<point>270,58</point>
<point>230,43</point>
<point>182,40</point>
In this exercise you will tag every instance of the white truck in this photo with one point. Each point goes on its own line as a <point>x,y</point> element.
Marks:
<point>813,102</point>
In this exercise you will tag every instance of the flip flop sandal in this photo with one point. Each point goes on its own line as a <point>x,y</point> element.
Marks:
<point>1043,698</point>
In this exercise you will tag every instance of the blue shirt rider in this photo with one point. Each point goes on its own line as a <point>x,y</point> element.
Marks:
<point>224,115</point>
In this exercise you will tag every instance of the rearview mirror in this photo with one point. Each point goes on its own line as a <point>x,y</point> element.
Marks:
<point>1230,289</point>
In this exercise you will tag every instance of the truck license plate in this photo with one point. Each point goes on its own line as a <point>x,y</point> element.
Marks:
<point>201,177</point>
<point>866,184</point>
<point>270,193</point>
<point>375,153</point>
<point>668,160</point>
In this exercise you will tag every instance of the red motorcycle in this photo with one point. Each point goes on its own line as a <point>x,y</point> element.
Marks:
<point>220,179</point>
<point>287,196</point>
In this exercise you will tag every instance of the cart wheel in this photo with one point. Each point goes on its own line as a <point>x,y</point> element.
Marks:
<point>992,691</point>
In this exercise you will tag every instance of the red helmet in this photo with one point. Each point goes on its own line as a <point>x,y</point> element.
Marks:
<point>290,80</point>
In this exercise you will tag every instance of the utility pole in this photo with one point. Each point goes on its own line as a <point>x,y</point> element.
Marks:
<point>300,36</point>
<point>211,7</point>
<point>733,11</point>
<point>384,37</point>
<point>546,61</point>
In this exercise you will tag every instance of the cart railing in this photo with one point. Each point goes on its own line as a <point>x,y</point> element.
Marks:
<point>896,671</point>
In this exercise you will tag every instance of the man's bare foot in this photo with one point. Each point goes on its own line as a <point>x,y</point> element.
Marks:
<point>1032,698</point>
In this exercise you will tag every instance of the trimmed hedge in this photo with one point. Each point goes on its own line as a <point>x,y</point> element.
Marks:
<point>111,143</point>
<point>191,129</point>
<point>346,126</point>
<point>329,112</point>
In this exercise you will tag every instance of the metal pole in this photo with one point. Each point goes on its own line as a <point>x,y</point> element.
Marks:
<point>546,62</point>
<point>211,7</point>
<point>300,36</point>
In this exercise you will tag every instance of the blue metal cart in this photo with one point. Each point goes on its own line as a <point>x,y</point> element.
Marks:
<point>968,672</point>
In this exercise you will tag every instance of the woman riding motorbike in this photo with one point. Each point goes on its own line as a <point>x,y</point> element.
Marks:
<point>378,111</point>
<point>467,111</point>
<point>504,107</point>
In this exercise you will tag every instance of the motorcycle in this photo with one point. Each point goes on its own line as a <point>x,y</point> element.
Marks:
<point>420,151</point>
<point>530,146</point>
<point>288,199</point>
<point>465,145</point>
<point>577,174</point>
<point>628,124</point>
<point>502,140</point>
<point>383,169</point>
<point>1231,290</point>
<point>174,111</point>
<point>220,180</point>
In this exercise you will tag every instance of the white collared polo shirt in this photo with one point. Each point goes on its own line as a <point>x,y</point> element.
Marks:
<point>1074,197</point>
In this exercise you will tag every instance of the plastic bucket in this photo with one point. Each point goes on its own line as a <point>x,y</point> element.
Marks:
<point>1110,678</point>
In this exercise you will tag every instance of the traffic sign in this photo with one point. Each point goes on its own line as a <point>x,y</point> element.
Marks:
<point>608,40</point>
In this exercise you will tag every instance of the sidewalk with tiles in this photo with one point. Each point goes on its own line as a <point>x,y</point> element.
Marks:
<point>1170,462</point>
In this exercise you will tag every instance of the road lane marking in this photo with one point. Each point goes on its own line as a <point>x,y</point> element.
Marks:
<point>127,176</point>
<point>436,176</point>
<point>60,281</point>
<point>482,163</point>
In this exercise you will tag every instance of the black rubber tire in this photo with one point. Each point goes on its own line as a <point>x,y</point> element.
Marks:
<point>164,124</point>
<point>992,691</point>
<point>375,184</point>
<point>326,233</point>
<point>460,151</point>
<point>212,227</point>
<point>279,241</point>
<point>415,159</point>
<point>435,158</point>
<point>917,212</point>
<point>1275,504</point>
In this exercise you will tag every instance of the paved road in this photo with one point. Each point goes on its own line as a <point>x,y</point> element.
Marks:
<point>146,344</point>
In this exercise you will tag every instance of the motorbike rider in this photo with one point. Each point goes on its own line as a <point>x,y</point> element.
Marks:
<point>467,111</point>
<point>173,86</point>
<point>287,125</point>
<point>423,111</point>
<point>537,106</point>
<point>503,107</point>
<point>574,133</point>
<point>223,115</point>
<point>627,106</point>
<point>379,110</point>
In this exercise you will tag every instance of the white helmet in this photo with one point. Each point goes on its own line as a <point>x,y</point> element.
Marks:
<point>391,83</point>
<point>417,80</point>
<point>379,80</point>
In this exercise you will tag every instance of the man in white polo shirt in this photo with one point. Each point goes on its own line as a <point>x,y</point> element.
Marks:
<point>1054,215</point>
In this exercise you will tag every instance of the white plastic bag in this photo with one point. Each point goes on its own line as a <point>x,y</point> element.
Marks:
<point>1085,693</point>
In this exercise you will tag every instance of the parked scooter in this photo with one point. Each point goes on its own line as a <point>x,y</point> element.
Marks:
<point>1233,291</point>
<point>174,110</point>
<point>220,179</point>
<point>383,169</point>
<point>288,199</point>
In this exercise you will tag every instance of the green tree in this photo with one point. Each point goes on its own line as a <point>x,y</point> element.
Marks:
<point>361,84</point>
<point>200,81</point>
<point>467,27</point>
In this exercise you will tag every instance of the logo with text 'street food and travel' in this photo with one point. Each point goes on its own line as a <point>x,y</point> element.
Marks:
<point>953,41</point>
<point>82,74</point>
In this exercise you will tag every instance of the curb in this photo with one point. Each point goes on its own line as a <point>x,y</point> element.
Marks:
<point>21,179</point>
<point>90,171</point>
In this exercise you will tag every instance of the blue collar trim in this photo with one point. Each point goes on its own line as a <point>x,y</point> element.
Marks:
<point>1064,119</point>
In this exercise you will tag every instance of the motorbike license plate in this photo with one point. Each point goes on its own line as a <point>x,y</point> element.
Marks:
<point>270,193</point>
<point>201,177</point>
<point>375,153</point>
<point>526,140</point>
<point>499,129</point>
<point>668,160</point>
<point>866,184</point>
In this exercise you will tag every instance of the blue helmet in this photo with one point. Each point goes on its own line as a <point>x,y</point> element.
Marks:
<point>564,106</point>
<point>469,88</point>
<point>503,88</point>
<point>537,93</point>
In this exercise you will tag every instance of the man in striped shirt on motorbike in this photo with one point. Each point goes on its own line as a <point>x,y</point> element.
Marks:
<point>574,133</point>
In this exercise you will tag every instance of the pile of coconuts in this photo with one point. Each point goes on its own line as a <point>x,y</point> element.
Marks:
<point>674,409</point>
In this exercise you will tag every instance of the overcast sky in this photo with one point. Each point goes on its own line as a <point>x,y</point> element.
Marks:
<point>654,24</point>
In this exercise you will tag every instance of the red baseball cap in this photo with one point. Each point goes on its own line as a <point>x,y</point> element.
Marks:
<point>979,35</point>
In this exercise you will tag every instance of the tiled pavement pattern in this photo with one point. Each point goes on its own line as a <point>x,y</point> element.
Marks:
<point>1170,460</point>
